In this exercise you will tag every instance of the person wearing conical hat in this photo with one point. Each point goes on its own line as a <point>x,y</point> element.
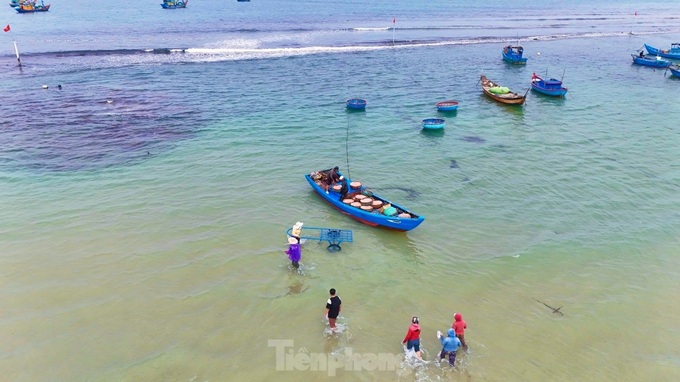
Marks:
<point>294,252</point>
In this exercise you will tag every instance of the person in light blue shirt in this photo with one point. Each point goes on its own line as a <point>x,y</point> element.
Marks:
<point>450,345</point>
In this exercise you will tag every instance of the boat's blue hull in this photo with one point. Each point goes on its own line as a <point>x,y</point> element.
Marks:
<point>652,62</point>
<point>675,71</point>
<point>550,92</point>
<point>551,87</point>
<point>373,219</point>
<point>356,104</point>
<point>665,54</point>
<point>514,60</point>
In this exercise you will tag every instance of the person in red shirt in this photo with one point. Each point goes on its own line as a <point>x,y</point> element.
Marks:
<point>412,339</point>
<point>459,326</point>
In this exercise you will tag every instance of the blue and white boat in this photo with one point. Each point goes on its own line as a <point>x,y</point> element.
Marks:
<point>513,55</point>
<point>675,70</point>
<point>433,123</point>
<point>552,87</point>
<point>14,3</point>
<point>655,62</point>
<point>368,207</point>
<point>673,52</point>
<point>356,104</point>
<point>174,4</point>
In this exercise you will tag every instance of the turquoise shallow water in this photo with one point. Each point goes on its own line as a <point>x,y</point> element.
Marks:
<point>142,238</point>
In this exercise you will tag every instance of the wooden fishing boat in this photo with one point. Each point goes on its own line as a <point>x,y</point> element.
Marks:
<point>673,52</point>
<point>513,55</point>
<point>434,123</point>
<point>500,93</point>
<point>174,4</point>
<point>675,70</point>
<point>654,62</point>
<point>32,6</point>
<point>356,103</point>
<point>449,105</point>
<point>552,87</point>
<point>365,206</point>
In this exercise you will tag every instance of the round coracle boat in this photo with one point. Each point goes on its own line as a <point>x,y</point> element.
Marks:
<point>449,105</point>
<point>434,123</point>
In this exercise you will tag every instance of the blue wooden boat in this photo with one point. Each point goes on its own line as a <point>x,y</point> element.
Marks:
<point>389,215</point>
<point>673,52</point>
<point>434,123</point>
<point>356,103</point>
<point>655,62</point>
<point>552,87</point>
<point>675,70</point>
<point>174,4</point>
<point>513,55</point>
<point>32,6</point>
<point>14,3</point>
<point>449,105</point>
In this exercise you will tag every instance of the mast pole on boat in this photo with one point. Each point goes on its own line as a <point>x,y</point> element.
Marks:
<point>347,149</point>
<point>16,50</point>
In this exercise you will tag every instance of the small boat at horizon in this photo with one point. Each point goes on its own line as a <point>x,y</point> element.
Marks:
<point>174,4</point>
<point>552,87</point>
<point>32,6</point>
<point>449,105</point>
<point>654,62</point>
<point>673,52</point>
<point>501,94</point>
<point>356,104</point>
<point>513,55</point>
<point>363,205</point>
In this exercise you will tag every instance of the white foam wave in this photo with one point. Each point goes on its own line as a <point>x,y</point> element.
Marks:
<point>367,29</point>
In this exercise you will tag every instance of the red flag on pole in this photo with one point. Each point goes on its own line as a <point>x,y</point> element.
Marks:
<point>7,28</point>
<point>394,20</point>
<point>635,13</point>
